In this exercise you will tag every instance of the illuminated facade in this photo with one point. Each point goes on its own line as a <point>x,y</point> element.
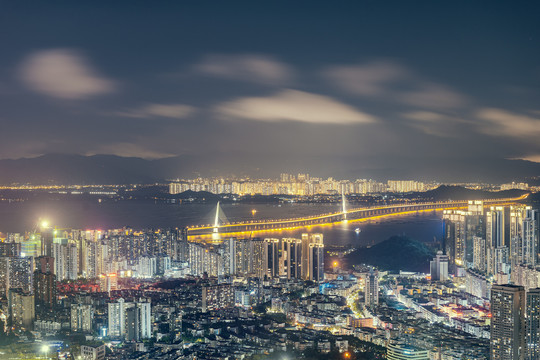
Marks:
<point>405,352</point>
<point>508,323</point>
<point>533,324</point>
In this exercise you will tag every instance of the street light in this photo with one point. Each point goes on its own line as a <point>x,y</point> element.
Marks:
<point>45,349</point>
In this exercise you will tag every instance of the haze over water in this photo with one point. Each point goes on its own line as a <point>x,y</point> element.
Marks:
<point>90,214</point>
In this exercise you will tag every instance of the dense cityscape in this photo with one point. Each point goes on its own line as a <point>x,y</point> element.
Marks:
<point>128,293</point>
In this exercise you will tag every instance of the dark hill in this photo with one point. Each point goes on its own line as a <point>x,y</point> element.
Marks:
<point>446,192</point>
<point>394,254</point>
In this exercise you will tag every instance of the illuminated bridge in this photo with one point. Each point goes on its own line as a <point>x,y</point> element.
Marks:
<point>365,213</point>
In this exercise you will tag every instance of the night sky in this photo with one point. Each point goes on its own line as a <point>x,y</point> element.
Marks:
<point>385,82</point>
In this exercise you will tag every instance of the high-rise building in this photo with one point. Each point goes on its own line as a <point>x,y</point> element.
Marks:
<point>133,315</point>
<point>31,246</point>
<point>72,262</point>
<point>45,264</point>
<point>508,340</point>
<point>130,320</point>
<point>439,267</point>
<point>117,318</point>
<point>45,291</point>
<point>316,262</point>
<point>271,257</point>
<point>533,324</point>
<point>371,290</point>
<point>21,308</point>
<point>479,253</point>
<point>145,319</point>
<point>147,267</point>
<point>108,282</point>
<point>523,235</point>
<point>258,247</point>
<point>10,249</point>
<point>163,264</point>
<point>460,228</point>
<point>47,238</point>
<point>306,265</point>
<point>293,258</point>
<point>15,272</point>
<point>82,317</point>
<point>242,256</point>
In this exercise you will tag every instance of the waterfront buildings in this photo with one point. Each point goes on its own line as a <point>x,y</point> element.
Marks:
<point>301,185</point>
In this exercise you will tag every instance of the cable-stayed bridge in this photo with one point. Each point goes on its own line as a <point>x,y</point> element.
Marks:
<point>222,226</point>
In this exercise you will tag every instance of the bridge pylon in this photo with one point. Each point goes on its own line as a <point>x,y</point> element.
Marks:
<point>216,219</point>
<point>343,205</point>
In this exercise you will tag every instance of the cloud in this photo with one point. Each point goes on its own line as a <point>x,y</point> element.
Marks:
<point>250,68</point>
<point>534,158</point>
<point>437,124</point>
<point>293,105</point>
<point>503,123</point>
<point>63,73</point>
<point>369,79</point>
<point>175,111</point>
<point>390,81</point>
<point>128,150</point>
<point>430,95</point>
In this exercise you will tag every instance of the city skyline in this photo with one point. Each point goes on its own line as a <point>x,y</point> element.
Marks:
<point>348,86</point>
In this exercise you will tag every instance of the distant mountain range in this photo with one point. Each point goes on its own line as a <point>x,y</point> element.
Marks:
<point>111,169</point>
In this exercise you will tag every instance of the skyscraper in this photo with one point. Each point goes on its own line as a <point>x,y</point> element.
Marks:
<point>507,323</point>
<point>117,318</point>
<point>271,257</point>
<point>497,240</point>
<point>293,259</point>
<point>533,324</point>
<point>371,290</point>
<point>21,308</point>
<point>455,236</point>
<point>15,272</point>
<point>45,290</point>
<point>479,253</point>
<point>316,262</point>
<point>258,258</point>
<point>307,256</point>
<point>523,235</point>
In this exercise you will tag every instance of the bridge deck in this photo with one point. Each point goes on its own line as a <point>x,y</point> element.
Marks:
<point>352,214</point>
